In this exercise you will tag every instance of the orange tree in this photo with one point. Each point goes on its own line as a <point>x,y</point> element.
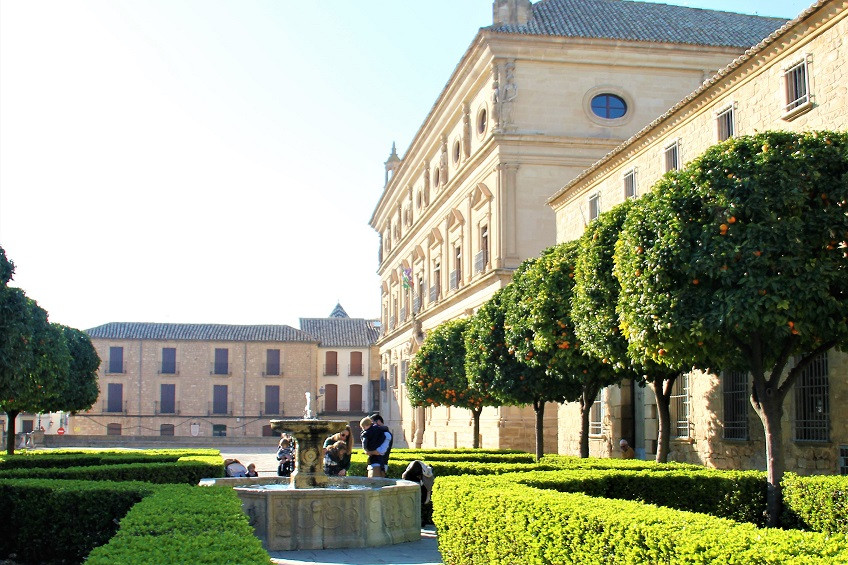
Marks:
<point>437,374</point>
<point>540,333</point>
<point>489,365</point>
<point>596,323</point>
<point>34,356</point>
<point>739,262</point>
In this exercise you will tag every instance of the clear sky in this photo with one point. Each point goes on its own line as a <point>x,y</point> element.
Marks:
<point>209,161</point>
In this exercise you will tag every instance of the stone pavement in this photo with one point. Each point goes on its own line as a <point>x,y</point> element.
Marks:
<point>422,552</point>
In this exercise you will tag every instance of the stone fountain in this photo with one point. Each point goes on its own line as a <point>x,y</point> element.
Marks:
<point>313,511</point>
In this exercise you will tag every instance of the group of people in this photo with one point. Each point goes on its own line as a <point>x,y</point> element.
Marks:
<point>234,468</point>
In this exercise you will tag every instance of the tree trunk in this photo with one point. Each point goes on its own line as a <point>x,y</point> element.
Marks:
<point>539,407</point>
<point>768,403</point>
<point>587,399</point>
<point>476,414</point>
<point>662,390</point>
<point>11,416</point>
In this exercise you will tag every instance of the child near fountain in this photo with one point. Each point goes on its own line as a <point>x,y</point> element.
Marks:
<point>372,437</point>
<point>334,459</point>
<point>285,455</point>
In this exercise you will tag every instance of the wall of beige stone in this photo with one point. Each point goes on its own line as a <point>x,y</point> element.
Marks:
<point>194,386</point>
<point>757,90</point>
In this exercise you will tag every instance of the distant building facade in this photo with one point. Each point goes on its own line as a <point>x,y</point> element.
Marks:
<point>795,80</point>
<point>348,367</point>
<point>539,96</point>
<point>198,379</point>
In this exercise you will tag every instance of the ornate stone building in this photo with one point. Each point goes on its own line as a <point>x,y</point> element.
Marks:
<point>797,80</point>
<point>540,95</point>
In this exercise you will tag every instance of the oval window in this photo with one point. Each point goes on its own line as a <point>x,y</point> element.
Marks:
<point>436,175</point>
<point>609,106</point>
<point>456,150</point>
<point>482,121</point>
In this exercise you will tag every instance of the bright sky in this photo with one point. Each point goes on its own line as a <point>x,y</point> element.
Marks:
<point>210,161</point>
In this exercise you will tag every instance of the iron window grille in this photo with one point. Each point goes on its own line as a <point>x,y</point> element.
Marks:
<point>594,207</point>
<point>672,157</point>
<point>596,415</point>
<point>843,459</point>
<point>680,404</point>
<point>735,405</point>
<point>630,184</point>
<point>797,86</point>
<point>726,123</point>
<point>812,402</point>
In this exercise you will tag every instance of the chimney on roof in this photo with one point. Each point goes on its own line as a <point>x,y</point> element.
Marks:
<point>511,12</point>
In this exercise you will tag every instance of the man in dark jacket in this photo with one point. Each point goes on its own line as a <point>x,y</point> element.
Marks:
<point>386,447</point>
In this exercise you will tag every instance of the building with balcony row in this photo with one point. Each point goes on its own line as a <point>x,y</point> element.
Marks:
<point>228,380</point>
<point>538,97</point>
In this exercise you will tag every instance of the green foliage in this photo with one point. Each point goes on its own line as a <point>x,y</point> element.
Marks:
<point>489,366</point>
<point>437,372</point>
<point>183,524</point>
<point>596,289</point>
<point>538,330</point>
<point>187,470</point>
<point>819,504</point>
<point>743,248</point>
<point>501,520</point>
<point>63,458</point>
<point>62,521</point>
<point>79,390</point>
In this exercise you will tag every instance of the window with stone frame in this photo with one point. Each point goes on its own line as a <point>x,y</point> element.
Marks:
<point>671,156</point>
<point>680,407</point>
<point>726,123</point>
<point>596,415</point>
<point>736,396</point>
<point>594,206</point>
<point>629,180</point>
<point>797,85</point>
<point>812,402</point>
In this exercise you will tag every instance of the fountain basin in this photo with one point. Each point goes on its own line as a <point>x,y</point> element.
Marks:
<point>386,511</point>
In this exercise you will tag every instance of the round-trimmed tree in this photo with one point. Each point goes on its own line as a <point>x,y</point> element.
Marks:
<point>739,262</point>
<point>437,374</point>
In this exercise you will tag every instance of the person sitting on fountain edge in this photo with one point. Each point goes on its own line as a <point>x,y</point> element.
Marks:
<point>372,437</point>
<point>334,459</point>
<point>386,447</point>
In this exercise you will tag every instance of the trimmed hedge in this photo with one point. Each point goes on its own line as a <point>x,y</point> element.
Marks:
<point>500,520</point>
<point>50,520</point>
<point>82,458</point>
<point>183,524</point>
<point>738,495</point>
<point>187,470</point>
<point>819,504</point>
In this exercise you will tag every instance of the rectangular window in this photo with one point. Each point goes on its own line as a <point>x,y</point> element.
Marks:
<point>331,363</point>
<point>404,369</point>
<point>812,402</point>
<point>168,398</point>
<point>671,156</point>
<point>393,376</point>
<point>169,361</point>
<point>435,290</point>
<point>272,362</point>
<point>219,399</point>
<point>679,406</point>
<point>456,275</point>
<point>113,429</point>
<point>726,123</point>
<point>166,430</point>
<point>797,86</point>
<point>116,359</point>
<point>272,400</point>
<point>736,393</point>
<point>630,184</point>
<point>594,207</point>
<point>219,430</point>
<point>222,361</point>
<point>482,257</point>
<point>115,397</point>
<point>355,364</point>
<point>843,459</point>
<point>596,415</point>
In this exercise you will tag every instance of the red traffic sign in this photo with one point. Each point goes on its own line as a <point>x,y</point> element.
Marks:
<point>61,431</point>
